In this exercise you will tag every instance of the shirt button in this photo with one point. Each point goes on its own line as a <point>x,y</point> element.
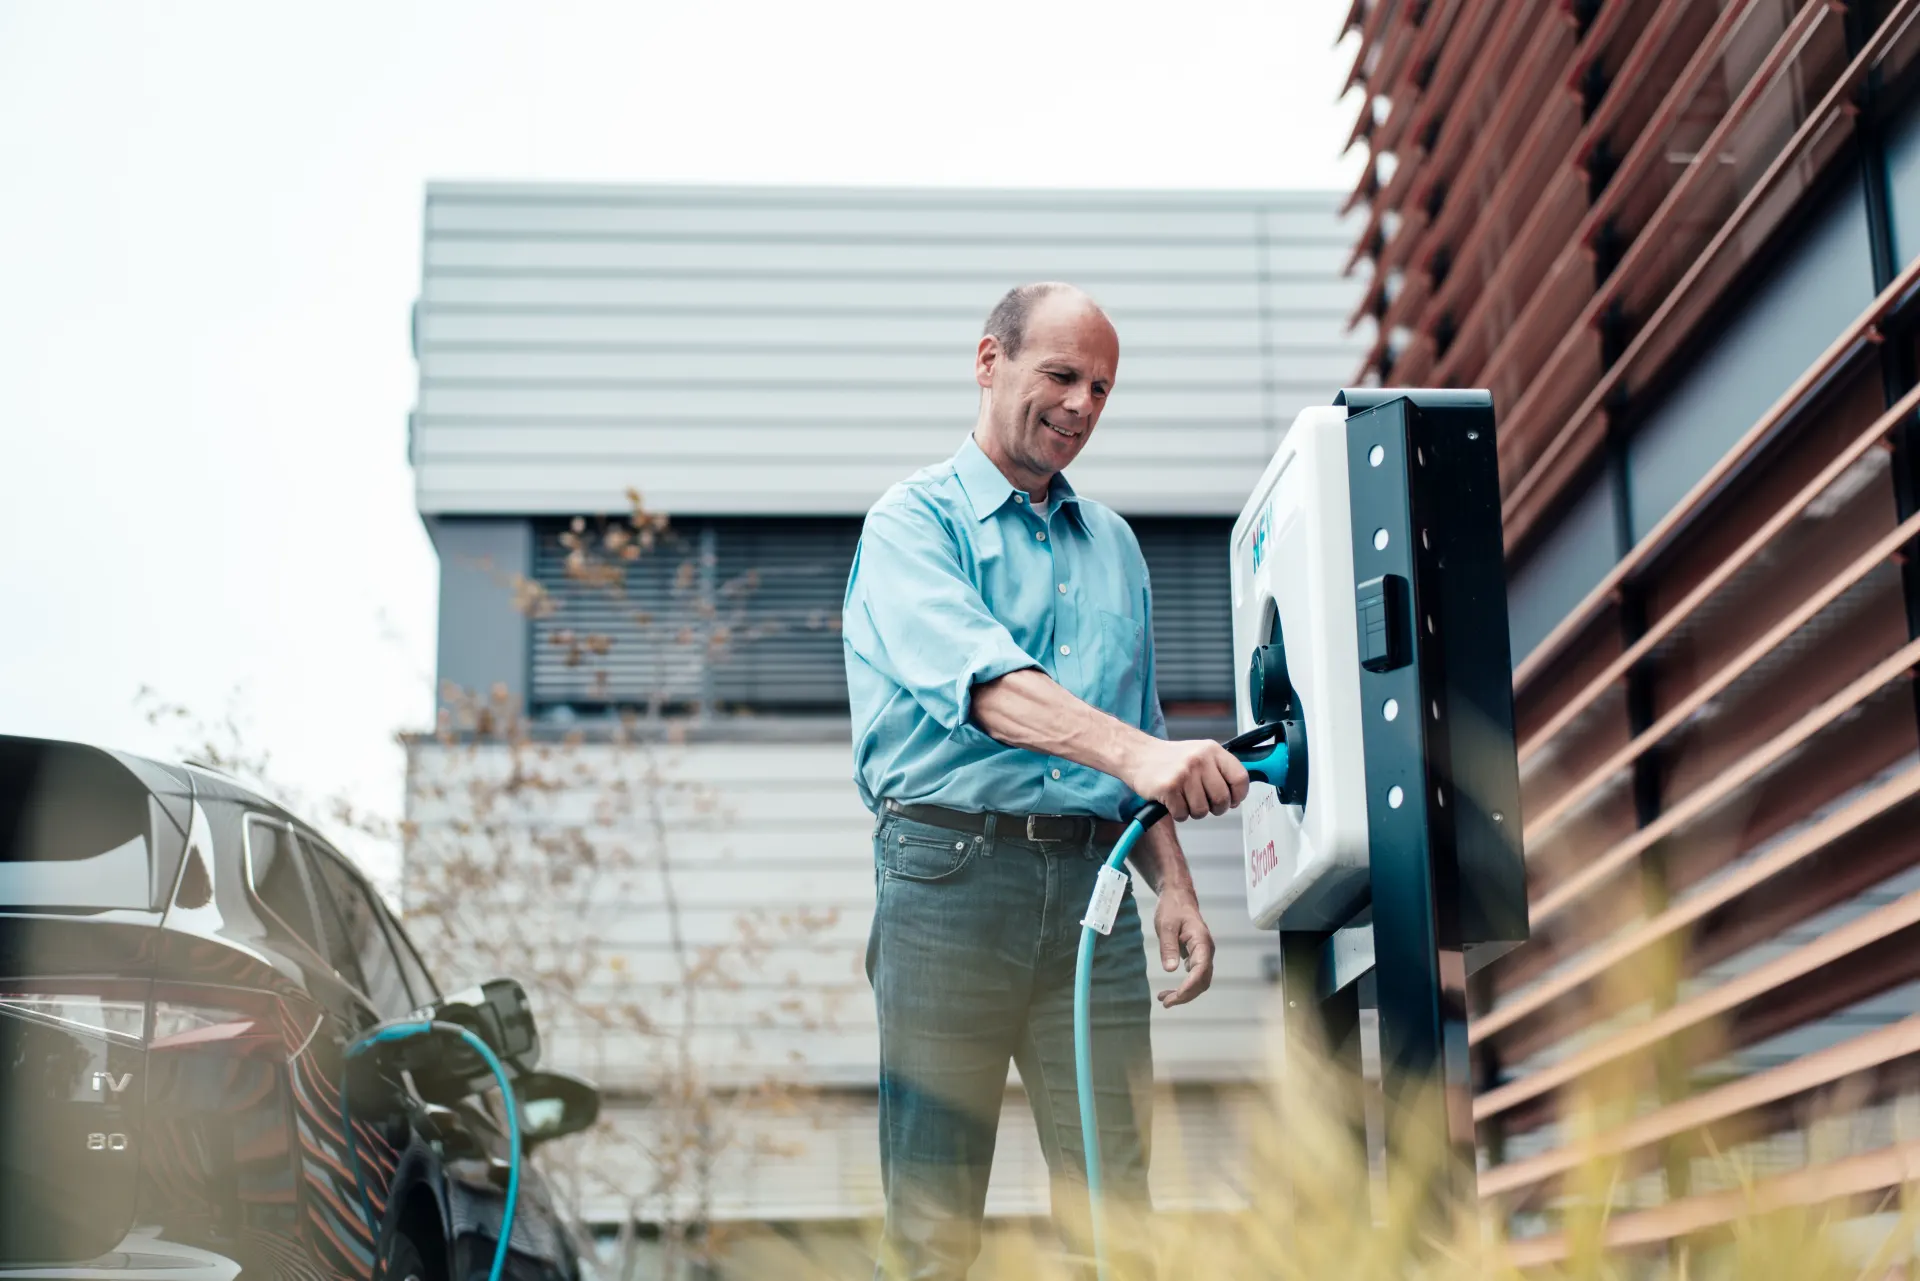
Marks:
<point>1063,589</point>
<point>1056,773</point>
<point>1019,498</point>
<point>1040,535</point>
<point>1066,649</point>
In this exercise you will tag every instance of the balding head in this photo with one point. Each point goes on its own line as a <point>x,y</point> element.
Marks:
<point>1044,366</point>
<point>1010,317</point>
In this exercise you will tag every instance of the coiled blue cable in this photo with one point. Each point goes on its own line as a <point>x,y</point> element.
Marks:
<point>401,1031</point>
<point>1270,768</point>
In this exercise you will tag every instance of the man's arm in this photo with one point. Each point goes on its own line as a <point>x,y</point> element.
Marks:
<point>1029,709</point>
<point>913,615</point>
<point>1176,919</point>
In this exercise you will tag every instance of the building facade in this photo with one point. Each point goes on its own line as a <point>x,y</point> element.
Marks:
<point>1679,240</point>
<point>759,365</point>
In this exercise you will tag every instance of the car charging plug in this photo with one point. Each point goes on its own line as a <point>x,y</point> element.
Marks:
<point>426,1041</point>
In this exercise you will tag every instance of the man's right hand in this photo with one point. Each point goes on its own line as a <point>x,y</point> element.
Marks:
<point>1191,777</point>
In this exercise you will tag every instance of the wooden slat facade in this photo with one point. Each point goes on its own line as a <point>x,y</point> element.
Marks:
<point>1718,722</point>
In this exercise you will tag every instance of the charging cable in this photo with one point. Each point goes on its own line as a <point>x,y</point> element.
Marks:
<point>388,1033</point>
<point>1108,890</point>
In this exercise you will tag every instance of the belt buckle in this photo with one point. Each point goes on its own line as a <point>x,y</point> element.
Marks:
<point>1043,840</point>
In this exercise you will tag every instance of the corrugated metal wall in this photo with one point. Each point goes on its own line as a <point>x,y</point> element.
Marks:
<point>769,855</point>
<point>757,351</point>
<point>753,830</point>
<point>822,1161</point>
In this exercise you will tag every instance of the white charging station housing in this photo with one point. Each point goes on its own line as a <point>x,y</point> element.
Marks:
<point>1292,549</point>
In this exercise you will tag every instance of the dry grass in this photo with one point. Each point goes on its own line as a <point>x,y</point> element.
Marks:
<point>1314,1211</point>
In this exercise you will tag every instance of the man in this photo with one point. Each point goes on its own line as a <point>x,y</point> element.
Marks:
<point>1000,669</point>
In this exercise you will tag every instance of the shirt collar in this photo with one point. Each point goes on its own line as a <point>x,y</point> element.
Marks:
<point>988,490</point>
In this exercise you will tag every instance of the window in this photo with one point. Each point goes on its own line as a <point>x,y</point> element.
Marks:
<point>741,612</point>
<point>358,931</point>
<point>73,829</point>
<point>419,982</point>
<point>1563,567</point>
<point>1903,183</point>
<point>1822,281</point>
<point>273,870</point>
<point>746,613</point>
<point>618,632</point>
<point>1188,562</point>
<point>780,584</point>
<point>340,948</point>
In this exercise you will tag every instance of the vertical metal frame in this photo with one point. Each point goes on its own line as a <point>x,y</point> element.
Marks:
<point>1448,882</point>
<point>1418,966</point>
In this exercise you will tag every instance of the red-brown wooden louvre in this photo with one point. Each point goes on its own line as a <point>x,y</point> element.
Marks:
<point>1720,739</point>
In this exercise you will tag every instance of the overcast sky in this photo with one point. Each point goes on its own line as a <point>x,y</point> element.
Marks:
<point>210,239</point>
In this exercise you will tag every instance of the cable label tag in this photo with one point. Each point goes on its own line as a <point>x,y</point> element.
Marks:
<point>1105,904</point>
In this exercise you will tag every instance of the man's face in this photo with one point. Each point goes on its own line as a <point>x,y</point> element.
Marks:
<point>1045,401</point>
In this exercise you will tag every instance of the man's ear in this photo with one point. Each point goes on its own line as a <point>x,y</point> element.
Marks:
<point>986,360</point>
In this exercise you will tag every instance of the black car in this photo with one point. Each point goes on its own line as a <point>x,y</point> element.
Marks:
<point>183,966</point>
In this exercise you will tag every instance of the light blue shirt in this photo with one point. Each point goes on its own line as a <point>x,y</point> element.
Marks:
<point>957,582</point>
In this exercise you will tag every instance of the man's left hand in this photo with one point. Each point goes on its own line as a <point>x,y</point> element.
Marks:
<point>1183,933</point>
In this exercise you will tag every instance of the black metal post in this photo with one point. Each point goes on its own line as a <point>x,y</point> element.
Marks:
<point>1447,880</point>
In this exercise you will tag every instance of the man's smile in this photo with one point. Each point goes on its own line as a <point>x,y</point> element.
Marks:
<point>1070,435</point>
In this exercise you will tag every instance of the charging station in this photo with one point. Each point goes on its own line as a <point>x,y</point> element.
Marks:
<point>1369,608</point>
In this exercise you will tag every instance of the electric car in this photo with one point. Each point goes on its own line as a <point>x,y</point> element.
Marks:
<point>183,966</point>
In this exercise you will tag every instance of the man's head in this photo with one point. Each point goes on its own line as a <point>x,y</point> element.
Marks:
<point>1044,365</point>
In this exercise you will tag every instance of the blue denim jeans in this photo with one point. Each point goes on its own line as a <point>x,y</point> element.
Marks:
<point>971,957</point>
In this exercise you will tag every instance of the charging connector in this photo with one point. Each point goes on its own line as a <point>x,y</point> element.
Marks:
<point>427,1031</point>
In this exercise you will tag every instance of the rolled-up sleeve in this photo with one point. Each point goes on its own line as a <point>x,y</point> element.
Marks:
<point>914,616</point>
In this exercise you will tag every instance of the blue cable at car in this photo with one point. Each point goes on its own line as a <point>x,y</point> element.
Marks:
<point>391,1032</point>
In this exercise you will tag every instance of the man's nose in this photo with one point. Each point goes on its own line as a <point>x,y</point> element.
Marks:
<point>1079,400</point>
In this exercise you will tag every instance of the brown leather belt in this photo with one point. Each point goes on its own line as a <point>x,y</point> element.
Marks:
<point>1037,829</point>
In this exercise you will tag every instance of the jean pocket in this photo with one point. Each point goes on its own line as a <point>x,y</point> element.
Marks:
<point>921,852</point>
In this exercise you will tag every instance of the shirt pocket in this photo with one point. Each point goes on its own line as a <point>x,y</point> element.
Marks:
<point>1119,667</point>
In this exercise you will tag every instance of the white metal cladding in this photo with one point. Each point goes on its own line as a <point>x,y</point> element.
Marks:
<point>766,351</point>
<point>759,836</point>
<point>821,1159</point>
